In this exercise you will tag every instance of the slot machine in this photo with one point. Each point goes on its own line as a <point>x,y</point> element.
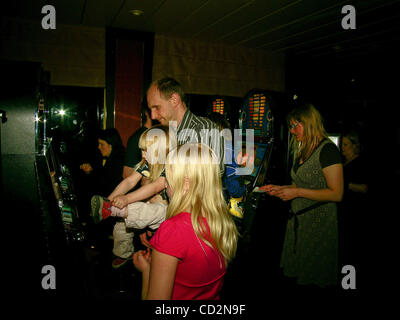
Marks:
<point>218,105</point>
<point>257,116</point>
<point>63,193</point>
<point>221,105</point>
<point>51,163</point>
<point>65,234</point>
<point>41,212</point>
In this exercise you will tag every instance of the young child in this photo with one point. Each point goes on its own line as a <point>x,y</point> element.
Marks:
<point>233,184</point>
<point>154,143</point>
<point>191,248</point>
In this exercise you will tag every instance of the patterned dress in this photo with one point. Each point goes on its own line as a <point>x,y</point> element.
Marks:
<point>312,255</point>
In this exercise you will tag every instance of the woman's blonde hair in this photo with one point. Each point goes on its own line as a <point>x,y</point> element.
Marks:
<point>313,132</point>
<point>156,141</point>
<point>197,164</point>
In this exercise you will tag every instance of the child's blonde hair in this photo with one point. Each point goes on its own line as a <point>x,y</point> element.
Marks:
<point>197,165</point>
<point>156,141</point>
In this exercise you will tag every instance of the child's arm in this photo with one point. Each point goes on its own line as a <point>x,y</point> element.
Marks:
<point>142,193</point>
<point>127,184</point>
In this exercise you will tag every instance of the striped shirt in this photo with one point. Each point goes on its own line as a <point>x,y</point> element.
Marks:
<point>194,129</point>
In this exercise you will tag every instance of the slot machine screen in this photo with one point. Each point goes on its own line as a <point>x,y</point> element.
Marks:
<point>263,166</point>
<point>51,160</point>
<point>259,155</point>
<point>223,106</point>
<point>256,114</point>
<point>52,166</point>
<point>218,106</point>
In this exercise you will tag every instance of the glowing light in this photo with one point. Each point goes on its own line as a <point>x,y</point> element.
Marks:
<point>136,12</point>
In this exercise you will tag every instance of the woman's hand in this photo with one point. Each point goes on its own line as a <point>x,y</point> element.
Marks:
<point>86,167</point>
<point>120,201</point>
<point>142,260</point>
<point>285,193</point>
<point>271,189</point>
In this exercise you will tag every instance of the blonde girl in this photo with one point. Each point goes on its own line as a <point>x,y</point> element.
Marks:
<point>191,249</point>
<point>154,143</point>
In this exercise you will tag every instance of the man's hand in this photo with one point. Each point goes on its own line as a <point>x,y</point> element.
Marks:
<point>86,167</point>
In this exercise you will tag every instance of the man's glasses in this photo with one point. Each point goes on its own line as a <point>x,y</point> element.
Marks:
<point>294,125</point>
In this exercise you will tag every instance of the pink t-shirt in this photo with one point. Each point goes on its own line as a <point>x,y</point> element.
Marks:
<point>201,269</point>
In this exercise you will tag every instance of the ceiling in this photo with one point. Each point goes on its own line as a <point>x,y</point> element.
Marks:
<point>299,28</point>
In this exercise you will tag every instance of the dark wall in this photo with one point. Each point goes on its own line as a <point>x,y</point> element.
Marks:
<point>355,93</point>
<point>361,94</point>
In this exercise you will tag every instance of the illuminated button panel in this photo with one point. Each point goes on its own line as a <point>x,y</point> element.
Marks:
<point>257,105</point>
<point>218,106</point>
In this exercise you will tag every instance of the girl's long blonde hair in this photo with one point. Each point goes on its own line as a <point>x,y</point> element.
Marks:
<point>156,141</point>
<point>197,164</point>
<point>313,132</point>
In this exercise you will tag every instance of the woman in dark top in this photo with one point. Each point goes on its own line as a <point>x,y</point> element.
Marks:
<point>108,174</point>
<point>354,167</point>
<point>310,250</point>
<point>354,207</point>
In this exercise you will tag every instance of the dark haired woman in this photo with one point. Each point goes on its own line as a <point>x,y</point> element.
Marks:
<point>354,208</point>
<point>108,174</point>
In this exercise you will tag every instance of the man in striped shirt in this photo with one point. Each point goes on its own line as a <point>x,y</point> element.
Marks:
<point>166,100</point>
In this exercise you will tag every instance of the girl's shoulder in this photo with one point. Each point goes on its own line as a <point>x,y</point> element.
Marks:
<point>180,217</point>
<point>173,236</point>
<point>174,233</point>
<point>182,222</point>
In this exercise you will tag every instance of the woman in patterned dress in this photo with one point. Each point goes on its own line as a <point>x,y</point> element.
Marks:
<point>310,250</point>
